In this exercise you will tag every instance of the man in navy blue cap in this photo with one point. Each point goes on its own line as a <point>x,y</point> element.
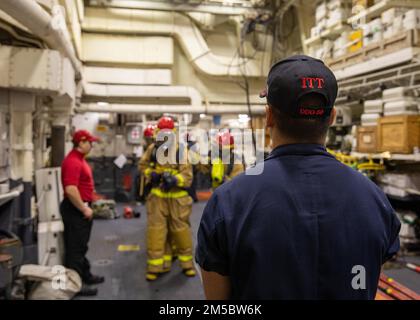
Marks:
<point>307,227</point>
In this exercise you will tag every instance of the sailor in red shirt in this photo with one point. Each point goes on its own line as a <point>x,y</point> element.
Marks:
<point>78,186</point>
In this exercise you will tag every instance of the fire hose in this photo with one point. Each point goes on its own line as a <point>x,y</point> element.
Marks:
<point>413,267</point>
<point>387,283</point>
<point>392,291</point>
<point>382,296</point>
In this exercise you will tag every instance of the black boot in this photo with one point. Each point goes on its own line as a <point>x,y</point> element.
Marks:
<point>87,291</point>
<point>92,279</point>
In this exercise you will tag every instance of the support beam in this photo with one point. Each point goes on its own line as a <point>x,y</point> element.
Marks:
<point>47,27</point>
<point>21,107</point>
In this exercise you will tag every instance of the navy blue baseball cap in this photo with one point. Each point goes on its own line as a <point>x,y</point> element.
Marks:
<point>292,78</point>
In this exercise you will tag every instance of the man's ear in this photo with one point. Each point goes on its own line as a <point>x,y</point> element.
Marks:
<point>269,116</point>
<point>332,116</point>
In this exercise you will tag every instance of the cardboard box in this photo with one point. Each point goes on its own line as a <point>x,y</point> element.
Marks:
<point>399,134</point>
<point>367,140</point>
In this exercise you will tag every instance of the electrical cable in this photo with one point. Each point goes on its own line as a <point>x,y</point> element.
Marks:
<point>246,89</point>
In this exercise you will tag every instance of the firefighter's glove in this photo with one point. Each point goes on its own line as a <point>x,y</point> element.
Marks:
<point>169,181</point>
<point>155,178</point>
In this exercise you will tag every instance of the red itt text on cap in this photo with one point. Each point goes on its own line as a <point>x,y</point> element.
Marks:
<point>311,112</point>
<point>311,82</point>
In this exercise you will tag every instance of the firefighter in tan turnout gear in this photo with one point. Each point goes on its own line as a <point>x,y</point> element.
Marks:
<point>222,172</point>
<point>168,205</point>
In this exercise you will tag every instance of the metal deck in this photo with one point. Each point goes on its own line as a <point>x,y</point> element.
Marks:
<point>125,270</point>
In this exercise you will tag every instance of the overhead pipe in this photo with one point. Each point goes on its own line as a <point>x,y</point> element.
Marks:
<point>129,91</point>
<point>125,21</point>
<point>11,195</point>
<point>219,9</point>
<point>152,108</point>
<point>31,15</point>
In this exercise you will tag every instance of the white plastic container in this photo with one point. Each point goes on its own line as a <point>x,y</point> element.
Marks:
<point>402,107</point>
<point>399,93</point>
<point>315,31</point>
<point>370,119</point>
<point>340,45</point>
<point>389,15</point>
<point>373,31</point>
<point>398,24</point>
<point>402,104</point>
<point>336,16</point>
<point>389,31</point>
<point>321,11</point>
<point>401,180</point>
<point>374,106</point>
<point>397,192</point>
<point>412,19</point>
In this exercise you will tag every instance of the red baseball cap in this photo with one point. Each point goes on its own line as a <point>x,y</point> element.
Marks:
<point>84,135</point>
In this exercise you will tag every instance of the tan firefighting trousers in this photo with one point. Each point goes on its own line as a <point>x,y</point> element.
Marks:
<point>168,221</point>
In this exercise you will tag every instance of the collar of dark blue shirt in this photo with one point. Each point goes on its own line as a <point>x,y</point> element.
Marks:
<point>303,149</point>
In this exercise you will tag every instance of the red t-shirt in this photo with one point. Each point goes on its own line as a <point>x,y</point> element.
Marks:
<point>75,171</point>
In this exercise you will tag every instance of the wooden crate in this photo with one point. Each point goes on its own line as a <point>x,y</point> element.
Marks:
<point>367,139</point>
<point>399,134</point>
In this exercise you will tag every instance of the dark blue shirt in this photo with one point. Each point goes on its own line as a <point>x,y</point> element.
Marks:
<point>299,229</point>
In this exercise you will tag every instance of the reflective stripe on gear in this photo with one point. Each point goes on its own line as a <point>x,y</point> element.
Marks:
<point>167,258</point>
<point>189,272</point>
<point>181,180</point>
<point>172,195</point>
<point>155,262</point>
<point>148,172</point>
<point>151,276</point>
<point>185,258</point>
<point>217,172</point>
